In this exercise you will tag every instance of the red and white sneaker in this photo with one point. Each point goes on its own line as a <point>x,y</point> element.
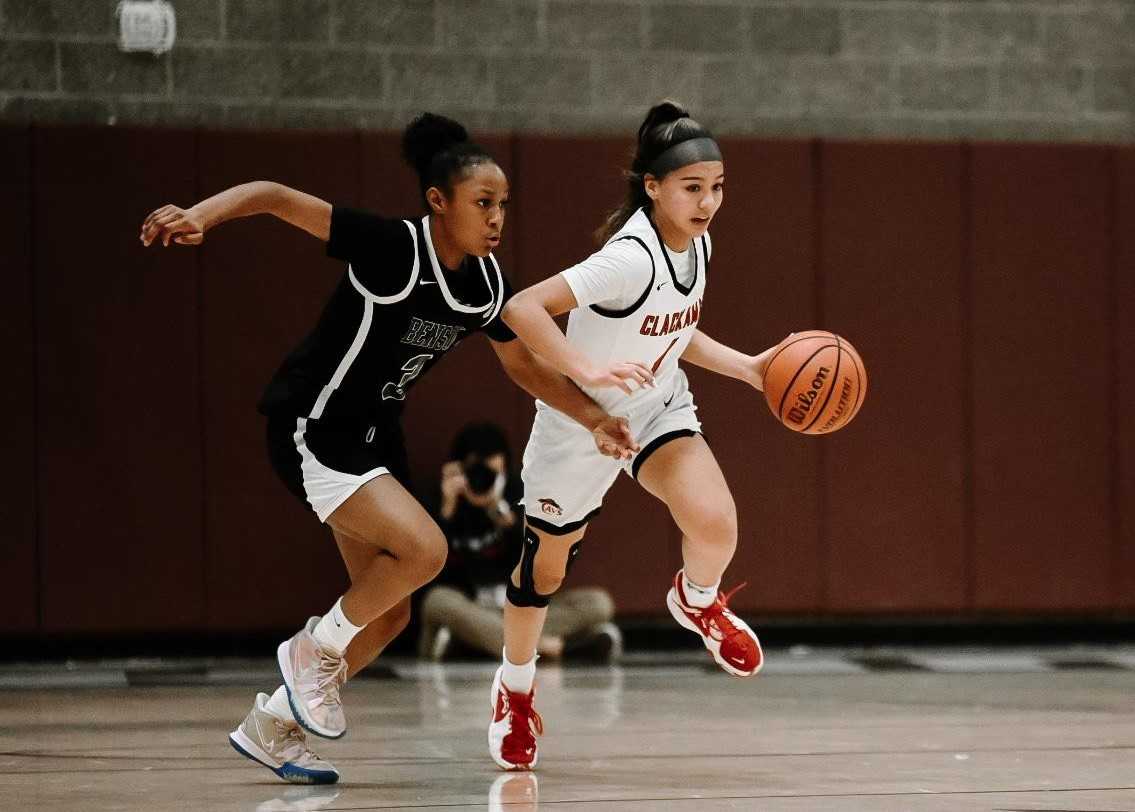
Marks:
<point>513,727</point>
<point>729,639</point>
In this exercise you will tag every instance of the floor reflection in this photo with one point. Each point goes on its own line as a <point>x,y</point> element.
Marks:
<point>514,792</point>
<point>298,799</point>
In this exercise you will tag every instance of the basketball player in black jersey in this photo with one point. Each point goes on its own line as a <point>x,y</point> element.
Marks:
<point>412,291</point>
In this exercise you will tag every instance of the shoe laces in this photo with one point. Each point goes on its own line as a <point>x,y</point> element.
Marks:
<point>524,724</point>
<point>329,675</point>
<point>719,614</point>
<point>293,743</point>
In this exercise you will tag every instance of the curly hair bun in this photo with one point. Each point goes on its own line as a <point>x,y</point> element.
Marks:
<point>426,136</point>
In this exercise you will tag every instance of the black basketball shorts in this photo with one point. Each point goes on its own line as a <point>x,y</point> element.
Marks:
<point>323,462</point>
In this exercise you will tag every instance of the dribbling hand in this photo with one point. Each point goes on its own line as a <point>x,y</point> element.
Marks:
<point>618,375</point>
<point>759,363</point>
<point>182,226</point>
<point>613,438</point>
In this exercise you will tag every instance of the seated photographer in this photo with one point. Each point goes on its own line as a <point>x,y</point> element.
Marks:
<point>477,509</point>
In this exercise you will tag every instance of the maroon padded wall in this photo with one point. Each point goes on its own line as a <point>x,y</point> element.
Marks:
<point>1123,397</point>
<point>893,484</point>
<point>19,600</point>
<point>264,284</point>
<point>118,430</point>
<point>992,468</point>
<point>1039,230</point>
<point>760,287</point>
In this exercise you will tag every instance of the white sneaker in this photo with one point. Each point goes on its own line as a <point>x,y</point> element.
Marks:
<point>513,727</point>
<point>280,746</point>
<point>313,676</point>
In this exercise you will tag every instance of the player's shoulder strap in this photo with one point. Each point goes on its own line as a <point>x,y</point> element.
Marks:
<point>415,269</point>
<point>626,311</point>
<point>498,292</point>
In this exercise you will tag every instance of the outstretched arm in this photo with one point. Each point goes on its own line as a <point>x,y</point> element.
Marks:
<point>529,314</point>
<point>709,354</point>
<point>188,226</point>
<point>537,377</point>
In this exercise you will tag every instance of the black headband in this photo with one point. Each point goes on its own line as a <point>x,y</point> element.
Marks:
<point>684,153</point>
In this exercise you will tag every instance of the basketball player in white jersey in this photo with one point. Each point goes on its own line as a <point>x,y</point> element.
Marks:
<point>637,299</point>
<point>412,290</point>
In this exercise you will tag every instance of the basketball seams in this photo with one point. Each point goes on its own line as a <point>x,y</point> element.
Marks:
<point>860,381</point>
<point>834,384</point>
<point>831,385</point>
<point>799,369</point>
<point>802,337</point>
<point>861,389</point>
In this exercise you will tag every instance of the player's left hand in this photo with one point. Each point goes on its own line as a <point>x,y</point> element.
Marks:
<point>170,223</point>
<point>613,438</point>
<point>757,366</point>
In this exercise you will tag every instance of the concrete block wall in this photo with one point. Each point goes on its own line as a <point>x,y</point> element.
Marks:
<point>1027,70</point>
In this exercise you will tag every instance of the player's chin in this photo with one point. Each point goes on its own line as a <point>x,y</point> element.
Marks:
<point>485,248</point>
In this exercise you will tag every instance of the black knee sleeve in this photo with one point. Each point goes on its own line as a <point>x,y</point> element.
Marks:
<point>572,553</point>
<point>526,594</point>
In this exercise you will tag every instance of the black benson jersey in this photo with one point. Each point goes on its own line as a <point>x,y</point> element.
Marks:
<point>394,314</point>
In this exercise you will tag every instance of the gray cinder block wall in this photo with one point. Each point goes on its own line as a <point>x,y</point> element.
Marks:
<point>1061,71</point>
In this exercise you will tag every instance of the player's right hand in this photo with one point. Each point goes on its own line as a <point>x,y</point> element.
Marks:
<point>183,226</point>
<point>618,374</point>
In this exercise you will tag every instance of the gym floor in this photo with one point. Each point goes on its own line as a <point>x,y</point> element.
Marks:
<point>832,730</point>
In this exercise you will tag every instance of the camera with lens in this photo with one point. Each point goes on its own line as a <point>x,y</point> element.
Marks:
<point>480,477</point>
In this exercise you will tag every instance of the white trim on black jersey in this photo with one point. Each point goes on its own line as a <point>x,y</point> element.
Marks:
<point>440,276</point>
<point>369,302</point>
<point>500,289</point>
<point>347,360</point>
<point>400,295</point>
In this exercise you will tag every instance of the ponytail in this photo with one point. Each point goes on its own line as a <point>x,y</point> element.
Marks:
<point>667,124</point>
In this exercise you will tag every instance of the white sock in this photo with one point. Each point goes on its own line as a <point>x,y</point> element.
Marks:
<point>518,678</point>
<point>699,597</point>
<point>278,706</point>
<point>334,631</point>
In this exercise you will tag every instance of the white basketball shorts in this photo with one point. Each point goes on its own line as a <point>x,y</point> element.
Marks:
<point>565,476</point>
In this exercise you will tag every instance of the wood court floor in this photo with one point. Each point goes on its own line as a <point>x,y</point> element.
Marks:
<point>651,735</point>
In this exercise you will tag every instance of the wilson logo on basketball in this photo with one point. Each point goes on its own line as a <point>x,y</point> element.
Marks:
<point>805,400</point>
<point>550,507</point>
<point>814,382</point>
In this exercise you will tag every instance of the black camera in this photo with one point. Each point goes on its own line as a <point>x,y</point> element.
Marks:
<point>480,477</point>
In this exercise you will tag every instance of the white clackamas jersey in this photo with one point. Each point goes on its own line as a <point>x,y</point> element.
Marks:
<point>655,328</point>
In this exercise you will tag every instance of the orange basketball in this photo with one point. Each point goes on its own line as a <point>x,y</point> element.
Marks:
<point>815,382</point>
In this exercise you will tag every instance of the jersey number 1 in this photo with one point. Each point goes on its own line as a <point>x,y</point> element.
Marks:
<point>412,368</point>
